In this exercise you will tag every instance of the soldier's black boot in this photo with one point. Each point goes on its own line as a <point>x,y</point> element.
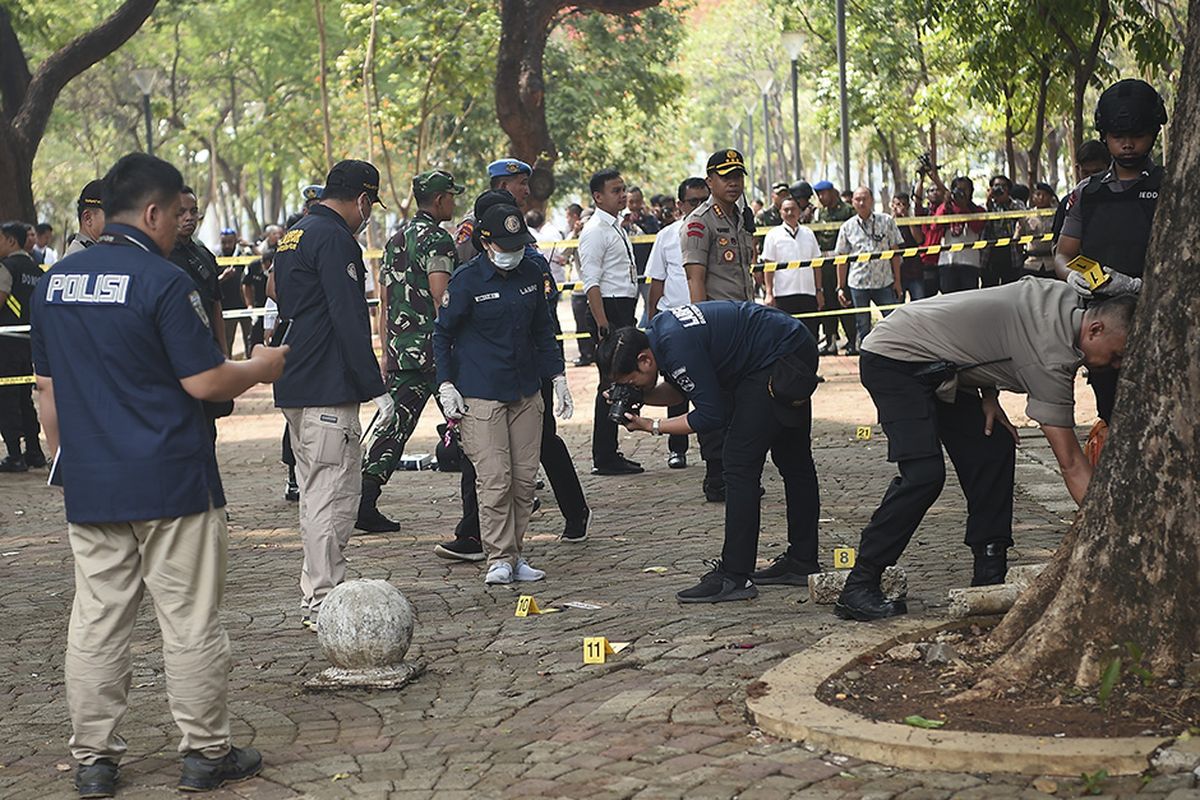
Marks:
<point>370,519</point>
<point>863,600</point>
<point>98,779</point>
<point>991,564</point>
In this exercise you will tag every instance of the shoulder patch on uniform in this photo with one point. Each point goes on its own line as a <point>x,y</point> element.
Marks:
<point>695,225</point>
<point>717,210</point>
<point>290,240</point>
<point>446,297</point>
<point>465,229</point>
<point>697,234</point>
<point>194,297</point>
<point>352,271</point>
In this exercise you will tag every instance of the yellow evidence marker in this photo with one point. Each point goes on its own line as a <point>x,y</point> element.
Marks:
<point>527,606</point>
<point>1096,277</point>
<point>863,433</point>
<point>843,557</point>
<point>596,648</point>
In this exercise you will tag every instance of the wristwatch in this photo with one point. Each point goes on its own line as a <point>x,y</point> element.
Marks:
<point>654,429</point>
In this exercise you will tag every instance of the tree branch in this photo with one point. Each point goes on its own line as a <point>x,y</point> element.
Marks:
<point>14,68</point>
<point>70,60</point>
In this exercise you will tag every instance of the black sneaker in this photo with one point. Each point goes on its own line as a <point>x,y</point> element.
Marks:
<point>292,492</point>
<point>35,459</point>
<point>628,461</point>
<point>461,549</point>
<point>620,466</point>
<point>677,461</point>
<point>785,571</point>
<point>202,774</point>
<point>14,464</point>
<point>866,603</point>
<point>98,779</point>
<point>718,586</point>
<point>576,530</point>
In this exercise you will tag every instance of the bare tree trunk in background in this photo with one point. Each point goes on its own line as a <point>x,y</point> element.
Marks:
<point>1129,570</point>
<point>323,79</point>
<point>1039,126</point>
<point>1053,155</point>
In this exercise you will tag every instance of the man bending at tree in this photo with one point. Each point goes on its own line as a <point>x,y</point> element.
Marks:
<point>934,370</point>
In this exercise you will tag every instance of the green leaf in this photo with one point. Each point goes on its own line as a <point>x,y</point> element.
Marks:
<point>1111,675</point>
<point>917,721</point>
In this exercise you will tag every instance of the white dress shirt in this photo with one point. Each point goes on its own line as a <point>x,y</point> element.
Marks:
<point>666,265</point>
<point>783,244</point>
<point>606,257</point>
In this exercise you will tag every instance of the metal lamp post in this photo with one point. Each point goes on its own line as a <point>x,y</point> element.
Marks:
<point>765,79</point>
<point>841,57</point>
<point>750,143</point>
<point>145,78</point>
<point>793,44</point>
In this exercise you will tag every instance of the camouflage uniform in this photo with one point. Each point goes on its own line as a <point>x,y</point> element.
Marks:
<point>418,248</point>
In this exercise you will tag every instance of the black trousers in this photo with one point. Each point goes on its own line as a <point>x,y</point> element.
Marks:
<point>829,287</point>
<point>755,429</point>
<point>619,311</point>
<point>583,324</point>
<point>18,417</point>
<point>560,471</point>
<point>677,442</point>
<point>1104,386</point>
<point>918,426</point>
<point>801,304</point>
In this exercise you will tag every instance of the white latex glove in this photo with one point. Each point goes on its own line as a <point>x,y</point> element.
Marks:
<point>452,402</point>
<point>1118,284</point>
<point>387,408</point>
<point>564,406</point>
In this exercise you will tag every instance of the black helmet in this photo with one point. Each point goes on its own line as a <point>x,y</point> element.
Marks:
<point>801,190</point>
<point>1130,106</point>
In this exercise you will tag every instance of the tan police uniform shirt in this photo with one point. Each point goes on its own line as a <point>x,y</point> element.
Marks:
<point>721,243</point>
<point>1028,328</point>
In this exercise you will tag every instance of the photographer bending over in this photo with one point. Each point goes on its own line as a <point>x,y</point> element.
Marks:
<point>750,368</point>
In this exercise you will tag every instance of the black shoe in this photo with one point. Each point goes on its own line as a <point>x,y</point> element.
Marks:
<point>537,504</point>
<point>865,602</point>
<point>619,467</point>
<point>98,779</point>
<point>717,587</point>
<point>828,350</point>
<point>991,564</point>
<point>461,550</point>
<point>714,492</point>
<point>370,518</point>
<point>14,464</point>
<point>541,484</point>
<point>35,459</point>
<point>851,350</point>
<point>584,362</point>
<point>576,530</point>
<point>785,571</point>
<point>292,492</point>
<point>202,774</point>
<point>677,461</point>
<point>628,461</point>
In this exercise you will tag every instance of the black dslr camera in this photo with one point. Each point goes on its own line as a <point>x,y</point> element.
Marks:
<point>925,163</point>
<point>623,399</point>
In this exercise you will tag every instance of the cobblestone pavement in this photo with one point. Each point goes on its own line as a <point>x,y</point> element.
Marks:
<point>506,708</point>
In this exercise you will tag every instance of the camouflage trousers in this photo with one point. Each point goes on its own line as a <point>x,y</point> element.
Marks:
<point>410,389</point>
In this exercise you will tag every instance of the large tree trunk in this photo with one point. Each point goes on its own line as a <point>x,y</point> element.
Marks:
<point>26,100</point>
<point>1129,572</point>
<point>1039,126</point>
<point>520,87</point>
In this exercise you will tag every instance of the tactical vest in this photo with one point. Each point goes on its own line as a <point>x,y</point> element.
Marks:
<point>1116,225</point>
<point>25,275</point>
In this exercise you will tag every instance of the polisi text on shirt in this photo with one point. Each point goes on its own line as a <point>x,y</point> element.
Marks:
<point>111,289</point>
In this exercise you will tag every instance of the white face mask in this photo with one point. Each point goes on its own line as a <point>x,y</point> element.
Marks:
<point>366,218</point>
<point>507,261</point>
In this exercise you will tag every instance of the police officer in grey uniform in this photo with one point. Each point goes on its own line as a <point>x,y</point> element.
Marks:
<point>717,245</point>
<point>90,210</point>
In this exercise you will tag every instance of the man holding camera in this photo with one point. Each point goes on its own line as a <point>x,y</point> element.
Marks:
<point>749,370</point>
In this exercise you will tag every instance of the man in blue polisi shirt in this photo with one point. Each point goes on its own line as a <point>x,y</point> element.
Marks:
<point>753,369</point>
<point>320,283</point>
<point>124,355</point>
<point>493,343</point>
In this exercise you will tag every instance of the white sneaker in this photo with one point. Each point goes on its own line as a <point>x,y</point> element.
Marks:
<point>528,573</point>
<point>499,573</point>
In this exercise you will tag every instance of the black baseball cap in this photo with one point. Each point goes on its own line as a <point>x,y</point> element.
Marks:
<point>801,190</point>
<point>357,176</point>
<point>724,162</point>
<point>504,226</point>
<point>90,197</point>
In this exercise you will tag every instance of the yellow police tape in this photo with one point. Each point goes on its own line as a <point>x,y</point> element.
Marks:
<point>18,381</point>
<point>234,261</point>
<point>905,252</point>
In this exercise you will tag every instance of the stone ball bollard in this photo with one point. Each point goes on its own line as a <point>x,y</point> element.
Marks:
<point>365,628</point>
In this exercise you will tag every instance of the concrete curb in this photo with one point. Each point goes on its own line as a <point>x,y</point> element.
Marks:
<point>784,704</point>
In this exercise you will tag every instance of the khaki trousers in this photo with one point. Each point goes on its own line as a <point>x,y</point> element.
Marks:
<point>181,561</point>
<point>325,440</point>
<point>504,442</point>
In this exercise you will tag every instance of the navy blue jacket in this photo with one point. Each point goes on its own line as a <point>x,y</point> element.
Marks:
<point>705,348</point>
<point>117,327</point>
<point>320,280</point>
<point>494,338</point>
